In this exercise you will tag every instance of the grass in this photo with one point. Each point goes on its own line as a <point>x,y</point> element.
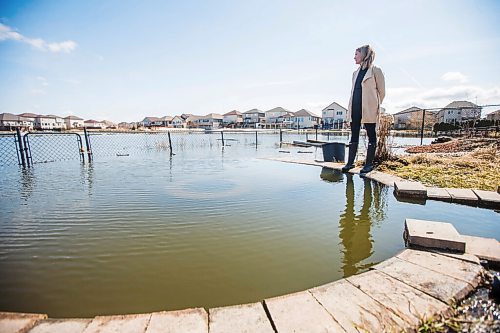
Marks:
<point>477,170</point>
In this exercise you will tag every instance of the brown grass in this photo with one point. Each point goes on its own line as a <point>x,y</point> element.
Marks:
<point>479,169</point>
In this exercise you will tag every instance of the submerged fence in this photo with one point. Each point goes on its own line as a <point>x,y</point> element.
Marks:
<point>32,148</point>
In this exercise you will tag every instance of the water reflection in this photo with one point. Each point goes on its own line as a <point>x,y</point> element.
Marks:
<point>331,176</point>
<point>87,175</point>
<point>27,183</point>
<point>355,227</point>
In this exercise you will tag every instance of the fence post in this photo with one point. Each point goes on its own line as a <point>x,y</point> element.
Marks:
<point>87,143</point>
<point>256,139</point>
<point>281,136</point>
<point>170,143</point>
<point>316,133</point>
<point>222,134</point>
<point>21,148</point>
<point>423,125</point>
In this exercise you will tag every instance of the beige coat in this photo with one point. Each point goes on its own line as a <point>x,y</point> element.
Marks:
<point>373,93</point>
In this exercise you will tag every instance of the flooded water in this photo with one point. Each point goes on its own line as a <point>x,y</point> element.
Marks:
<point>203,228</point>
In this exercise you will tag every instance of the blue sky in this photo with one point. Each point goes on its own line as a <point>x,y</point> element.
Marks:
<point>124,60</point>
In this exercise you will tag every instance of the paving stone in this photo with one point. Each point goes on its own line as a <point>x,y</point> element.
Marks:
<point>11,322</point>
<point>468,257</point>
<point>333,165</point>
<point>189,320</point>
<point>246,318</point>
<point>300,312</point>
<point>410,189</point>
<point>438,285</point>
<point>436,193</point>
<point>429,234</point>
<point>408,303</point>
<point>383,178</point>
<point>61,326</point>
<point>463,195</point>
<point>484,248</point>
<point>354,310</point>
<point>455,267</point>
<point>488,198</point>
<point>123,324</point>
<point>355,171</point>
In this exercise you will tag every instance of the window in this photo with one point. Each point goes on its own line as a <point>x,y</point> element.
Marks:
<point>339,113</point>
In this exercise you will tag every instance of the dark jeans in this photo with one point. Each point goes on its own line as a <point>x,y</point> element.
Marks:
<point>370,131</point>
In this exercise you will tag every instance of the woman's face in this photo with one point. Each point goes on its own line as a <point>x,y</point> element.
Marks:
<point>358,58</point>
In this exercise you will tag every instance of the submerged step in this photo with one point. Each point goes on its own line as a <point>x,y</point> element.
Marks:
<point>410,189</point>
<point>436,235</point>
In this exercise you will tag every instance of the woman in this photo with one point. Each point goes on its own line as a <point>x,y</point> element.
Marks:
<point>368,92</point>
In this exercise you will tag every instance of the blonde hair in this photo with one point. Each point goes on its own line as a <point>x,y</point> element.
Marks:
<point>368,55</point>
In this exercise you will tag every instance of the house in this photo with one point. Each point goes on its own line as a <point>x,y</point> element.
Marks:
<point>233,118</point>
<point>178,122</point>
<point>9,121</point>
<point>73,122</point>
<point>459,111</point>
<point>305,119</point>
<point>286,120</point>
<point>191,120</point>
<point>210,121</point>
<point>334,116</point>
<point>253,117</point>
<point>272,117</point>
<point>109,124</point>
<point>494,116</point>
<point>127,126</point>
<point>29,120</point>
<point>49,122</point>
<point>157,122</point>
<point>94,124</point>
<point>411,118</point>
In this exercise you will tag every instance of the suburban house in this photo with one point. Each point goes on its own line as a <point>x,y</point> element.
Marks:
<point>191,120</point>
<point>459,111</point>
<point>94,124</point>
<point>125,125</point>
<point>273,116</point>
<point>157,122</point>
<point>49,122</point>
<point>29,120</point>
<point>411,119</point>
<point>9,121</point>
<point>234,118</point>
<point>286,120</point>
<point>305,119</point>
<point>178,122</point>
<point>73,122</point>
<point>495,115</point>
<point>253,117</point>
<point>109,124</point>
<point>334,116</point>
<point>210,121</point>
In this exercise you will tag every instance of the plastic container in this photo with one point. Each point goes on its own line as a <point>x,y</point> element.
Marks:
<point>334,152</point>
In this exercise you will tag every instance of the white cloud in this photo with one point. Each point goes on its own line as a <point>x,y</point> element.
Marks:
<point>43,81</point>
<point>404,97</point>
<point>6,33</point>
<point>454,76</point>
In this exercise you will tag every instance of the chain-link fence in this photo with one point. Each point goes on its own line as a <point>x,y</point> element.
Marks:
<point>8,149</point>
<point>50,147</point>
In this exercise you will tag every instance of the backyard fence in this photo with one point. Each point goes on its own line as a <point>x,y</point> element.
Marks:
<point>42,147</point>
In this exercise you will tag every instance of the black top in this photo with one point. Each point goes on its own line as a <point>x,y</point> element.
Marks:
<point>360,77</point>
<point>356,97</point>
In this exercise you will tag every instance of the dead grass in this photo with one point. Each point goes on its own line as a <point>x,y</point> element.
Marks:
<point>479,169</point>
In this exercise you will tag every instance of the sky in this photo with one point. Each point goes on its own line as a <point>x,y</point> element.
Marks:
<point>126,60</point>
